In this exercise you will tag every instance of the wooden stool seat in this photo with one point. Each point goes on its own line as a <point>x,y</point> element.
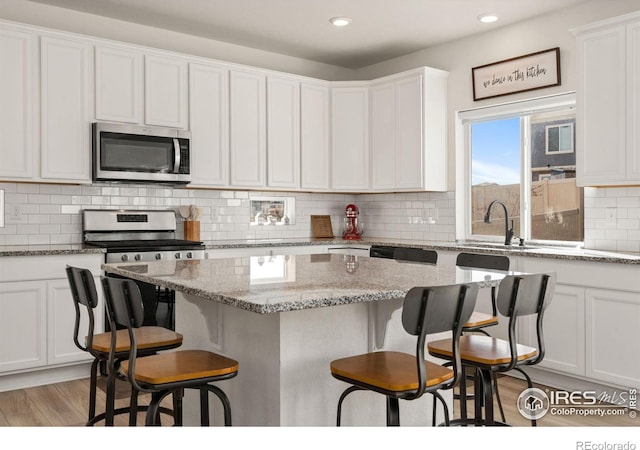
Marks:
<point>148,338</point>
<point>522,295</point>
<point>389,371</point>
<point>483,350</point>
<point>152,340</point>
<point>480,320</point>
<point>397,375</point>
<point>162,374</point>
<point>184,365</point>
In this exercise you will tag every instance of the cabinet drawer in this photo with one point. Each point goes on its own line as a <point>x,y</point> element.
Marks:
<point>46,267</point>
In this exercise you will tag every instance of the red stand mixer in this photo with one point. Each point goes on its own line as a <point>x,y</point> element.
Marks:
<point>352,229</point>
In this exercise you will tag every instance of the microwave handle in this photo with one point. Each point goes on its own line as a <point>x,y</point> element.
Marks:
<point>176,155</point>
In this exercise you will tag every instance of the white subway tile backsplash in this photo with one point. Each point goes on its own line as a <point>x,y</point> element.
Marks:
<point>51,213</point>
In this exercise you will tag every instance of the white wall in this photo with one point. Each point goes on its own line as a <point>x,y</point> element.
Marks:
<point>78,22</point>
<point>52,210</point>
<point>460,56</point>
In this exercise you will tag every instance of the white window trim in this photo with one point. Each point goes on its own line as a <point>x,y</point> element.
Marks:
<point>463,138</point>
<point>546,139</point>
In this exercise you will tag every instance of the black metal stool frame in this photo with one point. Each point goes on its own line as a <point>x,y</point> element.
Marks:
<point>425,311</point>
<point>124,307</point>
<point>83,279</point>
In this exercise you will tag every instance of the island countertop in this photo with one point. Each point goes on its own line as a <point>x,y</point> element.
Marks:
<point>297,282</point>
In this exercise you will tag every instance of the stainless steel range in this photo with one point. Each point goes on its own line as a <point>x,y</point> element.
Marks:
<point>137,235</point>
<point>141,235</point>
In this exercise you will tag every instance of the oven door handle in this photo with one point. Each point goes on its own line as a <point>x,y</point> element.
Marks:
<point>176,155</point>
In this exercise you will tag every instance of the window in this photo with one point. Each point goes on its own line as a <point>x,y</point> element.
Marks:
<point>559,138</point>
<point>520,170</point>
<point>272,210</point>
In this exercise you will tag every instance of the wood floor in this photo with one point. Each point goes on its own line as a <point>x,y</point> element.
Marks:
<point>65,405</point>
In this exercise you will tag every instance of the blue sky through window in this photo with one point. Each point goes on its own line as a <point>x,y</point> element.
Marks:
<point>495,152</point>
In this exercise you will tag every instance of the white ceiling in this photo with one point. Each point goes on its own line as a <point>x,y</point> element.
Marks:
<point>381,29</point>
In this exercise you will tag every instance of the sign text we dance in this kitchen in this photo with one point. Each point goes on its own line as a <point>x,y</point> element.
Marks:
<point>524,73</point>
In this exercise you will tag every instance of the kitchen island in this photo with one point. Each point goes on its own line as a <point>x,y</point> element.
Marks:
<point>284,318</point>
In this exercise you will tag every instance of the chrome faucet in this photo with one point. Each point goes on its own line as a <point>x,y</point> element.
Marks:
<point>508,233</point>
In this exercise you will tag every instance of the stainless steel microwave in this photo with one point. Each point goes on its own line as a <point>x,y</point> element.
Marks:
<point>123,152</point>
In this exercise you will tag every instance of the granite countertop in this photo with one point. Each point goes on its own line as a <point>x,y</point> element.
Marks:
<point>535,251</point>
<point>44,249</point>
<point>305,281</point>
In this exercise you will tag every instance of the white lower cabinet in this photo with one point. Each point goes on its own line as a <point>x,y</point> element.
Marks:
<point>590,327</point>
<point>23,318</point>
<point>37,314</point>
<point>612,319</point>
<point>564,331</point>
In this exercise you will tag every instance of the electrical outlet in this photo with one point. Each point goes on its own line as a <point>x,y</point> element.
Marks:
<point>610,217</point>
<point>15,212</point>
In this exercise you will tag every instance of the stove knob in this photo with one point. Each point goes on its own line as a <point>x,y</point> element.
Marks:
<point>189,255</point>
<point>124,258</point>
<point>138,257</point>
<point>158,256</point>
<point>177,255</point>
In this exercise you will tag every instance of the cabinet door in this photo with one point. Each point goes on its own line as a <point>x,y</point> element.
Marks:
<point>564,331</point>
<point>633,103</point>
<point>209,119</point>
<point>612,319</point>
<point>165,91</point>
<point>248,129</point>
<point>350,138</point>
<point>65,109</point>
<point>600,118</point>
<point>283,133</point>
<point>16,97</point>
<point>383,136</point>
<point>409,149</point>
<point>314,136</point>
<point>118,84</point>
<point>22,325</point>
<point>60,322</point>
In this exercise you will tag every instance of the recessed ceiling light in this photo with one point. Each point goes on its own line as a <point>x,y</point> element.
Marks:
<point>340,21</point>
<point>487,18</point>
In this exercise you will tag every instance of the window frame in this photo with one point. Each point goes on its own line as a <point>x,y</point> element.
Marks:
<point>463,121</point>
<point>546,139</point>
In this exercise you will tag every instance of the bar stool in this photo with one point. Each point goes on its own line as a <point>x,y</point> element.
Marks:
<point>150,341</point>
<point>518,296</point>
<point>164,373</point>
<point>415,255</point>
<point>398,375</point>
<point>479,320</point>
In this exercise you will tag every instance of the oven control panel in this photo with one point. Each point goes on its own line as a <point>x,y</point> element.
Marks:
<point>169,255</point>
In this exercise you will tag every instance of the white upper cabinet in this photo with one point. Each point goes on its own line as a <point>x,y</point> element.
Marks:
<point>408,132</point>
<point>248,133</point>
<point>17,54</point>
<point>350,138</point>
<point>135,87</point>
<point>65,107</point>
<point>283,132</point>
<point>608,102</point>
<point>165,87</point>
<point>315,145</point>
<point>209,124</point>
<point>250,128</point>
<point>119,84</point>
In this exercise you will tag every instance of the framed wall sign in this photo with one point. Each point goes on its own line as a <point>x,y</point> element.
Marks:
<point>523,73</point>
